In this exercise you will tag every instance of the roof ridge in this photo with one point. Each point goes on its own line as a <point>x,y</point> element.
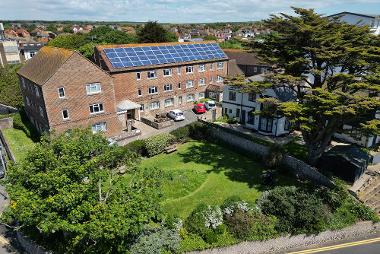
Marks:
<point>103,46</point>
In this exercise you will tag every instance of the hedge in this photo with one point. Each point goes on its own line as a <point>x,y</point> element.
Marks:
<point>157,144</point>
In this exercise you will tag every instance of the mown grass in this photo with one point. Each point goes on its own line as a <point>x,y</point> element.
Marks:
<point>200,172</point>
<point>19,142</point>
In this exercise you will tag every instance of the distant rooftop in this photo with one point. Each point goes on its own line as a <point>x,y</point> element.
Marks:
<point>354,13</point>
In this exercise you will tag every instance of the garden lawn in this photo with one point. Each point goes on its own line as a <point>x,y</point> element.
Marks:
<point>19,142</point>
<point>200,172</point>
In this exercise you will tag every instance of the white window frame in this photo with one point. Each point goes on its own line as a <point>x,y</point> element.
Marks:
<point>170,86</point>
<point>179,85</point>
<point>142,107</point>
<point>139,92</point>
<point>179,70</point>
<point>152,72</point>
<point>180,99</point>
<point>189,82</point>
<point>169,74</point>
<point>201,95</point>
<point>203,83</point>
<point>219,79</point>
<point>93,88</point>
<point>189,69</point>
<point>99,127</point>
<point>153,88</point>
<point>63,115</point>
<point>220,65</point>
<point>202,68</point>
<point>157,103</point>
<point>138,75</point>
<point>169,105</point>
<point>59,92</point>
<point>192,98</point>
<point>100,107</point>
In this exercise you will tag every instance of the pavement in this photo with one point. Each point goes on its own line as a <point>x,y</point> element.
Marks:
<point>8,243</point>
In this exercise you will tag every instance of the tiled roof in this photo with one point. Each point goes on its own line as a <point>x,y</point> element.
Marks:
<point>243,57</point>
<point>233,69</point>
<point>43,65</point>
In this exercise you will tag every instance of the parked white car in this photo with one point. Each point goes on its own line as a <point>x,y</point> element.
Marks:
<point>176,115</point>
<point>210,105</point>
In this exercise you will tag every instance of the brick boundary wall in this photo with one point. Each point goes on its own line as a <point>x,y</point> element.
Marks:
<point>297,167</point>
<point>6,123</point>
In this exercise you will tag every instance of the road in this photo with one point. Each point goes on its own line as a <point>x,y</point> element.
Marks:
<point>365,246</point>
<point>6,236</point>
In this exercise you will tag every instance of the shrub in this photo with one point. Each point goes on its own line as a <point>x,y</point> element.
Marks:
<point>275,155</point>
<point>157,241</point>
<point>181,134</point>
<point>296,210</point>
<point>137,146</point>
<point>199,130</point>
<point>232,120</point>
<point>156,144</point>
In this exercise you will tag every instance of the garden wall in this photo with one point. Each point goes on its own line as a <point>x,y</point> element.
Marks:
<point>248,144</point>
<point>4,143</point>
<point>156,125</point>
<point>6,123</point>
<point>4,109</point>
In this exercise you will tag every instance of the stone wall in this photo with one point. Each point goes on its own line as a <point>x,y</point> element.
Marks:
<point>6,123</point>
<point>4,109</point>
<point>299,168</point>
<point>156,125</point>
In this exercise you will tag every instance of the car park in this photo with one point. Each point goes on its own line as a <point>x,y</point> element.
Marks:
<point>210,104</point>
<point>199,108</point>
<point>176,115</point>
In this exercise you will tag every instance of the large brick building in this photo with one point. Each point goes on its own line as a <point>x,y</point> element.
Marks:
<point>64,90</point>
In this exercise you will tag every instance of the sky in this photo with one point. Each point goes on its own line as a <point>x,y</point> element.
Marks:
<point>172,11</point>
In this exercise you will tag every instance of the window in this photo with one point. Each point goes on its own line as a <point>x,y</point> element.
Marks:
<point>179,85</point>
<point>251,97</point>
<point>219,79</point>
<point>32,54</point>
<point>99,127</point>
<point>152,74</point>
<point>230,111</point>
<point>220,65</point>
<point>153,90</point>
<point>211,66</point>
<point>142,107</point>
<point>61,92</point>
<point>169,102</point>
<point>139,93</point>
<point>96,108</point>
<point>201,68</point>
<point>232,96</point>
<point>255,69</point>
<point>251,117</point>
<point>168,87</point>
<point>179,100</point>
<point>179,70</point>
<point>167,72</point>
<point>190,97</point>
<point>65,114</point>
<point>237,112</point>
<point>154,105</point>
<point>93,88</point>
<point>266,124</point>
<point>225,111</point>
<point>202,81</point>
<point>189,69</point>
<point>189,84</point>
<point>286,125</point>
<point>138,75</point>
<point>201,95</point>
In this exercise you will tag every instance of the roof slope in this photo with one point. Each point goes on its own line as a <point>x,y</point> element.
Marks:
<point>233,69</point>
<point>243,57</point>
<point>43,65</point>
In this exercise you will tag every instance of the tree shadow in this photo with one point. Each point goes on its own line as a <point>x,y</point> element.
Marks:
<point>237,166</point>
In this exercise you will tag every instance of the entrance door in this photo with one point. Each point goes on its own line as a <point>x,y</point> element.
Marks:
<point>243,116</point>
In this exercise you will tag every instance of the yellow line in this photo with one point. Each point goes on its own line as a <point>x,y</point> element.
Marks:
<point>3,241</point>
<point>339,246</point>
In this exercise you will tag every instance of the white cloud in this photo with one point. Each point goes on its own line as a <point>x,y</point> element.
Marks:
<point>167,10</point>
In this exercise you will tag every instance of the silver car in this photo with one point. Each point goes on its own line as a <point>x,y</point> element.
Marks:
<point>210,105</point>
<point>176,115</point>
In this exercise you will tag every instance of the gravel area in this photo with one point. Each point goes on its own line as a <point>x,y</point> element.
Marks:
<point>283,244</point>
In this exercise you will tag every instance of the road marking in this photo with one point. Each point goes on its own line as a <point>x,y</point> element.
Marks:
<point>339,246</point>
<point>3,240</point>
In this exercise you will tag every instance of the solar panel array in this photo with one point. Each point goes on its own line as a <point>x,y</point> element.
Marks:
<point>155,55</point>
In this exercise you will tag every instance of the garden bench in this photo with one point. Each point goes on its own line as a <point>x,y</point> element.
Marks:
<point>171,149</point>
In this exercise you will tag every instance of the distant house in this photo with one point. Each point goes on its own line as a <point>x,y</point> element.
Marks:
<point>372,21</point>
<point>248,62</point>
<point>28,50</point>
<point>245,106</point>
<point>9,52</point>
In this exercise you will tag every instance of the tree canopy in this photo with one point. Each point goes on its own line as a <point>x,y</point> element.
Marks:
<point>333,68</point>
<point>68,195</point>
<point>153,32</point>
<point>10,93</point>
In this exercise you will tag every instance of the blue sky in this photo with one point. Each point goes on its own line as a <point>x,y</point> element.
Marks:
<point>175,11</point>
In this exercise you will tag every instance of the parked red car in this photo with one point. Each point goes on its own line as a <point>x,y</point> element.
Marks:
<point>199,108</point>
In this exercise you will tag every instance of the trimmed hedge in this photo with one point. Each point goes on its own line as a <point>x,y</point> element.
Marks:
<point>157,144</point>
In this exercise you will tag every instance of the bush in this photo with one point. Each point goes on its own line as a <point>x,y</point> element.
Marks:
<point>182,134</point>
<point>157,241</point>
<point>296,210</point>
<point>199,131</point>
<point>156,144</point>
<point>137,146</point>
<point>275,156</point>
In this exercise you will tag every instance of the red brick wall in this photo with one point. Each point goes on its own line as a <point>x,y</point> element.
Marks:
<point>73,75</point>
<point>127,85</point>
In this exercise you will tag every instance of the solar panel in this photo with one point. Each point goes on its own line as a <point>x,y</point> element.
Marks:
<point>142,56</point>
